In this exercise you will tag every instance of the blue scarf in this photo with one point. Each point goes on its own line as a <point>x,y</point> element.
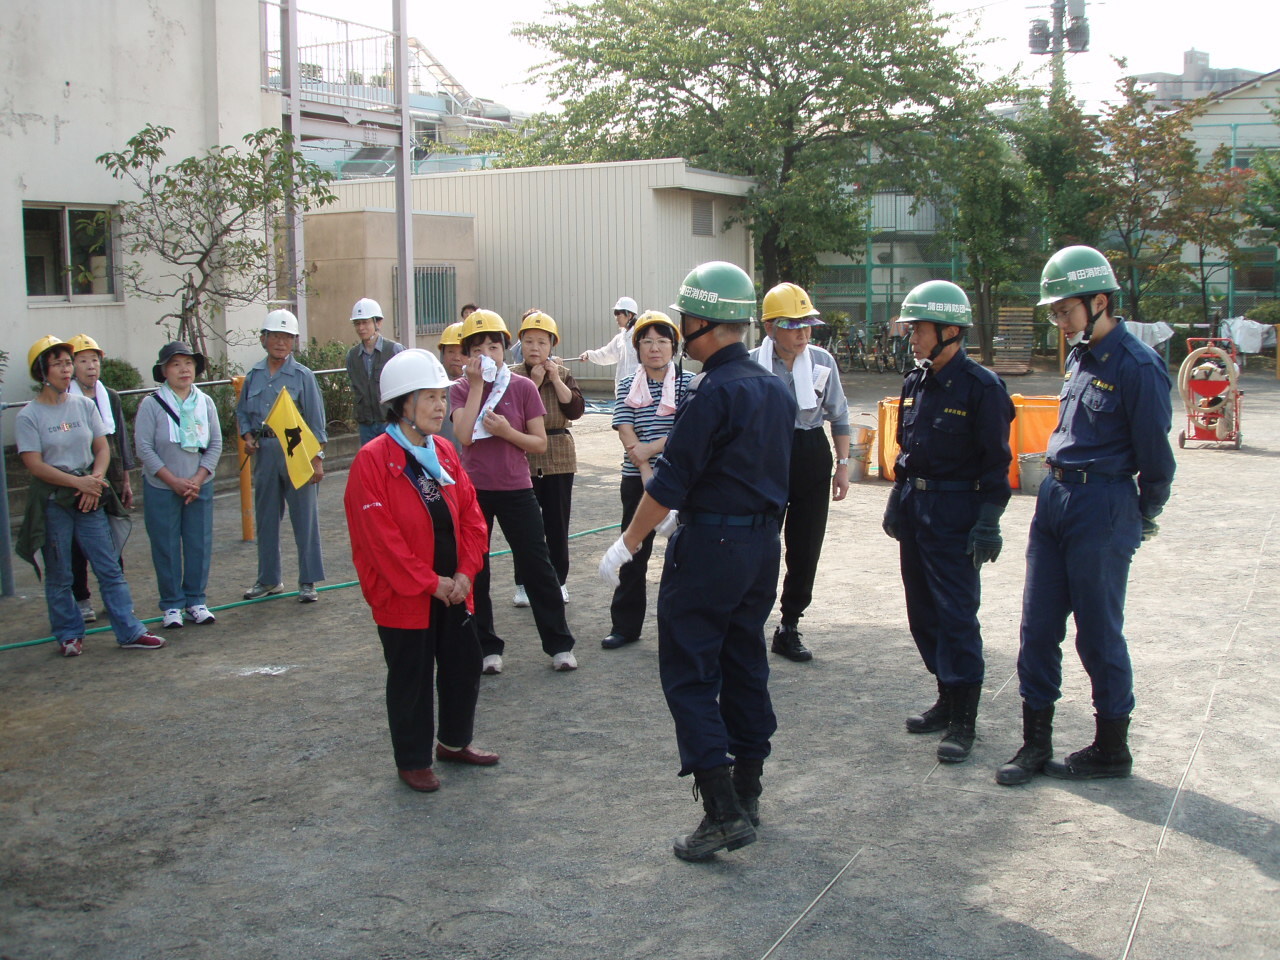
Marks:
<point>425,455</point>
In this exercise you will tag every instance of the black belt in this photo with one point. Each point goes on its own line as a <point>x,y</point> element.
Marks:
<point>920,483</point>
<point>1088,476</point>
<point>727,519</point>
<point>557,431</point>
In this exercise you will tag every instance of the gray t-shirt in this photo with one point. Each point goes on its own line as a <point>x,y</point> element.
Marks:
<point>61,433</point>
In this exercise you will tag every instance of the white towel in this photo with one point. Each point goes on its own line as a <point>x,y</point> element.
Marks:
<point>500,377</point>
<point>801,373</point>
<point>640,395</point>
<point>101,399</point>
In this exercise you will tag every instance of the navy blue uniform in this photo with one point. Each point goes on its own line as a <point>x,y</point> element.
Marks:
<point>1113,423</point>
<point>953,431</point>
<point>725,468</point>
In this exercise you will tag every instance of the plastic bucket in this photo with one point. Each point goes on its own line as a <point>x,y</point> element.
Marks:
<point>1032,470</point>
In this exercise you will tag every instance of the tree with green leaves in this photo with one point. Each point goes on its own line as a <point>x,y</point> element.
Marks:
<point>1060,149</point>
<point>211,220</point>
<point>990,218</point>
<point>1262,202</point>
<point>819,103</point>
<point>1146,188</point>
<point>1213,224</point>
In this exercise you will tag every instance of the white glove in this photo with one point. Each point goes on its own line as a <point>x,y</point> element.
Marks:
<point>667,525</point>
<point>612,562</point>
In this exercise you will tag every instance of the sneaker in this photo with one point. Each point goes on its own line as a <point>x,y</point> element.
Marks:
<point>564,592</point>
<point>198,613</point>
<point>144,641</point>
<point>87,613</point>
<point>173,619</point>
<point>786,643</point>
<point>72,648</point>
<point>492,664</point>
<point>262,590</point>
<point>307,593</point>
<point>521,599</point>
<point>564,662</point>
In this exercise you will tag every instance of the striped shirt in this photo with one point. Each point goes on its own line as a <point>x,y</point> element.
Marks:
<point>645,420</point>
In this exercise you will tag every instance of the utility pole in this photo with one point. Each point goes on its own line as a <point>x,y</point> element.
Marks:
<point>1067,31</point>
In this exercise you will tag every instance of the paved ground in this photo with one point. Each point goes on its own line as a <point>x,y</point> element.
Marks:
<point>234,795</point>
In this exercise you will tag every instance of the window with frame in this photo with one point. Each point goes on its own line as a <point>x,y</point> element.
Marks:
<point>1257,269</point>
<point>70,252</point>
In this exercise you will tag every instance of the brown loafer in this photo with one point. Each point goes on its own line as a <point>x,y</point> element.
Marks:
<point>471,755</point>
<point>424,780</point>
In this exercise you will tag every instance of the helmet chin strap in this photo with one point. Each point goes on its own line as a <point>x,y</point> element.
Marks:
<point>1085,335</point>
<point>927,362</point>
<point>690,337</point>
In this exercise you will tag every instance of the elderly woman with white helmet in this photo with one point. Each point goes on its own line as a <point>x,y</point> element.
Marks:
<point>418,539</point>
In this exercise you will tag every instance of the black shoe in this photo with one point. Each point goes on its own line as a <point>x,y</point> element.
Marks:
<point>725,826</point>
<point>1037,748</point>
<point>786,643</point>
<point>615,640</point>
<point>935,718</point>
<point>961,730</point>
<point>1106,758</point>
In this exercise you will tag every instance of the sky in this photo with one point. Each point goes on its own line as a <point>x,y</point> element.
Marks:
<point>472,38</point>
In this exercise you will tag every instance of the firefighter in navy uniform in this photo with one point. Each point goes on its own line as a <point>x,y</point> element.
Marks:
<point>1114,418</point>
<point>725,470</point>
<point>951,485</point>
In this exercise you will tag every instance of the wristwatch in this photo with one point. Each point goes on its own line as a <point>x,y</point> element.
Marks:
<point>320,455</point>
<point>842,462</point>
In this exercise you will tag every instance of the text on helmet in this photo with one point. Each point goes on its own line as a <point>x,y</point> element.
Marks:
<point>695,293</point>
<point>946,307</point>
<point>1088,273</point>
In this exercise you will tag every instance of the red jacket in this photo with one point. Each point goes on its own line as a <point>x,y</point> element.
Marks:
<point>392,541</point>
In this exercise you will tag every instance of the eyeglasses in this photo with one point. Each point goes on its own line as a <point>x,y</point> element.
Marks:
<point>653,341</point>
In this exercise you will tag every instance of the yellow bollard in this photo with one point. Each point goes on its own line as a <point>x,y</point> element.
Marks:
<point>246,485</point>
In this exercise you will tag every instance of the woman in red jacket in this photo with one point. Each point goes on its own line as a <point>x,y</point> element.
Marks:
<point>418,538</point>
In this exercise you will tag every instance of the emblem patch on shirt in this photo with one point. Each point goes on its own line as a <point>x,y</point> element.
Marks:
<point>1101,385</point>
<point>910,401</point>
<point>956,411</point>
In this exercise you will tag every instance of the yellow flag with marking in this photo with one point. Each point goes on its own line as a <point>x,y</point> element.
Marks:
<point>297,441</point>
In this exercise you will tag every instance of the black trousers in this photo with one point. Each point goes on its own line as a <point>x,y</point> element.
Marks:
<point>450,650</point>
<point>805,523</point>
<point>517,513</point>
<point>554,494</point>
<point>629,602</point>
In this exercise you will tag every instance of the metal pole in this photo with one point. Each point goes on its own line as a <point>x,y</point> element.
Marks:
<point>6,562</point>
<point>404,180</point>
<point>291,122</point>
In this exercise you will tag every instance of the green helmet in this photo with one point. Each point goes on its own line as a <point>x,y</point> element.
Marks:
<point>938,301</point>
<point>1076,272</point>
<point>719,292</point>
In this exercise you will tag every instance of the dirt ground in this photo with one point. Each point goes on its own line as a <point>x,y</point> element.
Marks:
<point>234,794</point>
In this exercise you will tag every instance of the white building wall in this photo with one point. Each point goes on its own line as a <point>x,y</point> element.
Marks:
<point>79,77</point>
<point>572,239</point>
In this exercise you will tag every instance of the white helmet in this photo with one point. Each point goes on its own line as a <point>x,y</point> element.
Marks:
<point>410,370</point>
<point>280,321</point>
<point>626,303</point>
<point>366,309</point>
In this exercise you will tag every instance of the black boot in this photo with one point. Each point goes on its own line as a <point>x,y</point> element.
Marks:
<point>725,826</point>
<point>1108,755</point>
<point>955,746</point>
<point>746,784</point>
<point>1037,747</point>
<point>786,643</point>
<point>935,718</point>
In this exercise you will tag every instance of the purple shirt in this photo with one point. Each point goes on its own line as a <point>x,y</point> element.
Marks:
<point>493,463</point>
